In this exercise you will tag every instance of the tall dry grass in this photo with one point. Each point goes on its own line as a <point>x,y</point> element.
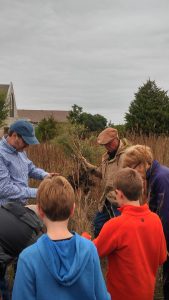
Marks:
<point>52,158</point>
<point>159,146</point>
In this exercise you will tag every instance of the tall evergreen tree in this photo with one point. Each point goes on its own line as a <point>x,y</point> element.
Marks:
<point>46,129</point>
<point>149,111</point>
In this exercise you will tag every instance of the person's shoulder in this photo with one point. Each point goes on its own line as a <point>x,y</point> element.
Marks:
<point>124,144</point>
<point>105,156</point>
<point>154,217</point>
<point>85,243</point>
<point>29,251</point>
<point>160,176</point>
<point>23,154</point>
<point>82,239</point>
<point>116,222</point>
<point>162,171</point>
<point>153,214</point>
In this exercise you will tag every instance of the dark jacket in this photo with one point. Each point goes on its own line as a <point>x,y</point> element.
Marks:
<point>19,227</point>
<point>158,194</point>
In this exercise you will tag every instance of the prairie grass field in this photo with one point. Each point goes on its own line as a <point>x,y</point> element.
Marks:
<point>62,158</point>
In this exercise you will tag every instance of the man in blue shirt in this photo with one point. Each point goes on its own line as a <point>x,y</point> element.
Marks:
<point>15,167</point>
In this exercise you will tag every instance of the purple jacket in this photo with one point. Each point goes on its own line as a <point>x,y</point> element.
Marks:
<point>158,190</point>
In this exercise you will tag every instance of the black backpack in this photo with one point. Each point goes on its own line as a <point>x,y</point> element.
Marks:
<point>25,214</point>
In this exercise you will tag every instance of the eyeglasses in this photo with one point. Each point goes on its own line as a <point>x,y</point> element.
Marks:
<point>19,136</point>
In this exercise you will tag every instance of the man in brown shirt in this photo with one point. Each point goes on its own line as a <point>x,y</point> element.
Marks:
<point>111,162</point>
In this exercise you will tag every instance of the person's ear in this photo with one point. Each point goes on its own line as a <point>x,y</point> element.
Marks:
<point>14,135</point>
<point>40,212</point>
<point>72,210</point>
<point>119,194</point>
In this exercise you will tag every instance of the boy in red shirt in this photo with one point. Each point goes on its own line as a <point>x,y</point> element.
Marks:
<point>134,242</point>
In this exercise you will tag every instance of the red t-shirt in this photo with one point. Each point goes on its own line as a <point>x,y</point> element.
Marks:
<point>135,246</point>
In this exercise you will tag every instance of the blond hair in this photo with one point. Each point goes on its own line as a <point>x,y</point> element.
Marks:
<point>136,155</point>
<point>56,198</point>
<point>130,183</point>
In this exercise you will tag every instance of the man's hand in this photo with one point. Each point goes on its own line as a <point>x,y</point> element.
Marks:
<point>86,165</point>
<point>50,175</point>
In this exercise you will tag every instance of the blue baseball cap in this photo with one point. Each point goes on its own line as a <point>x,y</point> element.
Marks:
<point>26,130</point>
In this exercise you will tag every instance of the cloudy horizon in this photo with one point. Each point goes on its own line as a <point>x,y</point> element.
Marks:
<point>92,53</point>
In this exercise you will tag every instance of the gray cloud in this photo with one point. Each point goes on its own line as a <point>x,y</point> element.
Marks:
<point>93,53</point>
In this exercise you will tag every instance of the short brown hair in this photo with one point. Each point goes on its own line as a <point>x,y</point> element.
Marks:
<point>136,155</point>
<point>56,198</point>
<point>129,182</point>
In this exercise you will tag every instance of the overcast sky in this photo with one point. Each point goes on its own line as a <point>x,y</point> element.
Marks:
<point>93,53</point>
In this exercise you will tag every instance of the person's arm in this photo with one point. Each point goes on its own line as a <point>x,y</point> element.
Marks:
<point>101,292</point>
<point>25,281</point>
<point>107,240</point>
<point>36,173</point>
<point>10,190</point>
<point>91,168</point>
<point>163,252</point>
<point>159,202</point>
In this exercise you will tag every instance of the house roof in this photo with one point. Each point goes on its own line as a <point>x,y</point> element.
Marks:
<point>36,116</point>
<point>4,89</point>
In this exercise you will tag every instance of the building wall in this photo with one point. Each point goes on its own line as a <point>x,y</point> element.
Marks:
<point>10,99</point>
<point>13,115</point>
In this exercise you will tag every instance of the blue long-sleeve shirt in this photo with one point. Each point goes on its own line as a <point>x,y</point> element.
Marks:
<point>15,170</point>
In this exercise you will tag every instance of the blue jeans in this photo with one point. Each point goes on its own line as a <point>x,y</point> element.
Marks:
<point>109,211</point>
